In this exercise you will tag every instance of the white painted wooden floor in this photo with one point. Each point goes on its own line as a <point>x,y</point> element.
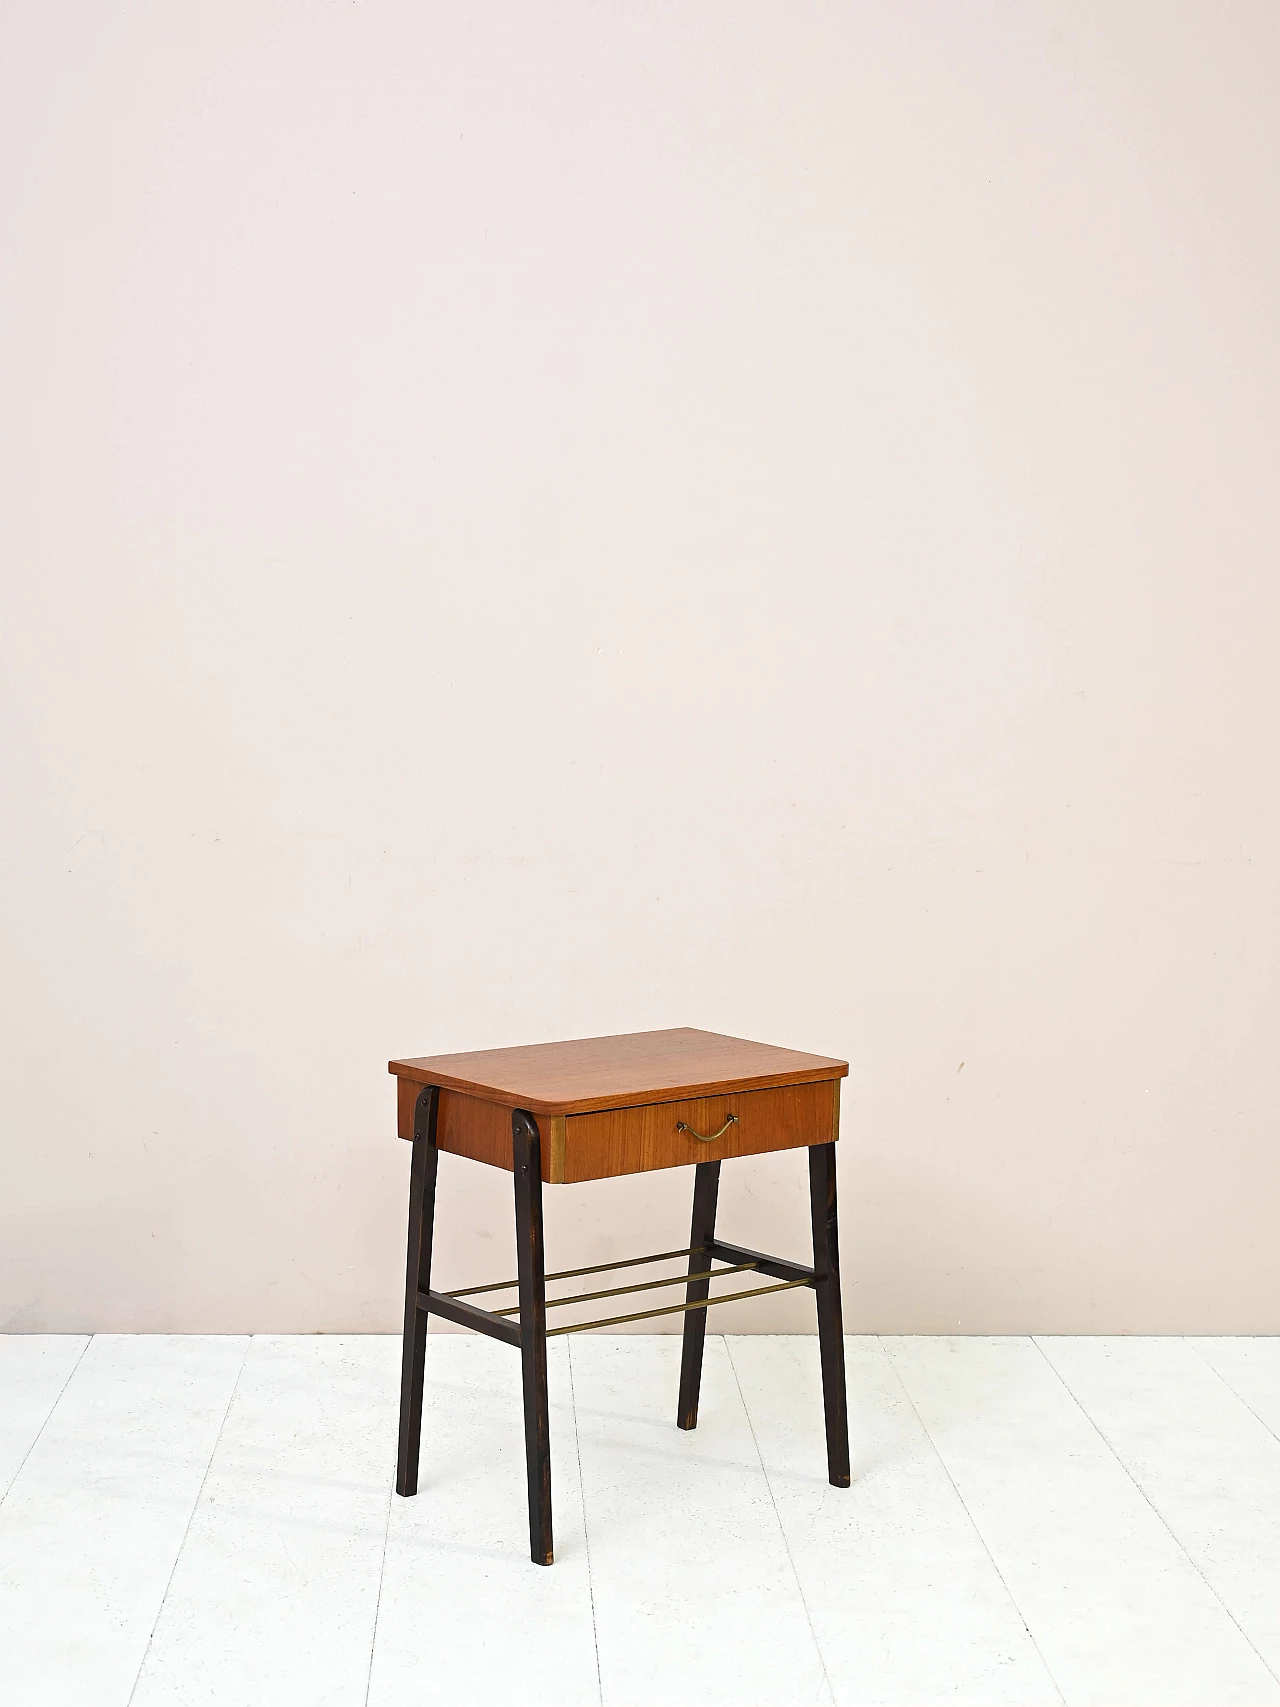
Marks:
<point>210,1520</point>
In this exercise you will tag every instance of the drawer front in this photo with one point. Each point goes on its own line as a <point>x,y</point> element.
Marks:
<point>634,1140</point>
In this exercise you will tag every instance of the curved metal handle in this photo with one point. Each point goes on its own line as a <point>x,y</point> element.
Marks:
<point>707,1137</point>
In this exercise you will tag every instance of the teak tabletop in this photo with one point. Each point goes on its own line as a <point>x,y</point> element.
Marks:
<point>637,1067</point>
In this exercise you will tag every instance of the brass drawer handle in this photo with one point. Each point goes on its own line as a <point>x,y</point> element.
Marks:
<point>707,1137</point>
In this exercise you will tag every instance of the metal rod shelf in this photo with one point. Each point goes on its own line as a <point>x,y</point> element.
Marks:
<point>737,1258</point>
<point>675,1309</point>
<point>572,1273</point>
<point>640,1286</point>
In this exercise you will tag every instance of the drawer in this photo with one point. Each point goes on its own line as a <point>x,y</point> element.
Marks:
<point>634,1140</point>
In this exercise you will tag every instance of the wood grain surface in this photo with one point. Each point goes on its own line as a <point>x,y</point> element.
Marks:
<point>635,1140</point>
<point>594,1073</point>
<point>469,1126</point>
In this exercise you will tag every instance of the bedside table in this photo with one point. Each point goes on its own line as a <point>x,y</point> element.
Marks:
<point>595,1108</point>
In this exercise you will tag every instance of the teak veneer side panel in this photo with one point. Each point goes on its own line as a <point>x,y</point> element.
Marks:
<point>469,1126</point>
<point>586,1074</point>
<point>406,1101</point>
<point>610,1142</point>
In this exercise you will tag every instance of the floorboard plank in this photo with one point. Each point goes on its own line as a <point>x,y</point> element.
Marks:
<point>1251,1368</point>
<point>696,1599</point>
<point>464,1614</point>
<point>906,1603</point>
<point>95,1518</point>
<point>274,1596</point>
<point>34,1368</point>
<point>1115,1605</point>
<point>1199,1454</point>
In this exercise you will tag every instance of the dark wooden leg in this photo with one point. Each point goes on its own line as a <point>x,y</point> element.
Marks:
<point>706,1188</point>
<point>531,1266</point>
<point>422,1207</point>
<point>826,1262</point>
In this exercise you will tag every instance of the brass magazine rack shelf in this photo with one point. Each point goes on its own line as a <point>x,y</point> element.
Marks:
<point>495,1323</point>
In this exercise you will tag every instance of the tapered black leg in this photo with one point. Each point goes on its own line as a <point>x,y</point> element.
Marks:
<point>706,1188</point>
<point>826,1262</point>
<point>531,1267</point>
<point>422,1206</point>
